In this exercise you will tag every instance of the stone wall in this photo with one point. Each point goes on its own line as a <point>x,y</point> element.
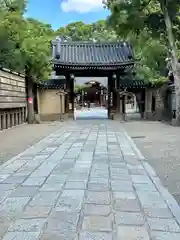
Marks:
<point>51,104</point>
<point>12,99</point>
<point>162,108</point>
<point>12,90</point>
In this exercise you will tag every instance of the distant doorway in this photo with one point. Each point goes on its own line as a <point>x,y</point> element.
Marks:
<point>91,98</point>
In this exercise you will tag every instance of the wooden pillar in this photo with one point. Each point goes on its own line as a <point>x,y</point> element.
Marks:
<point>0,120</point>
<point>67,95</point>
<point>3,120</point>
<point>125,102</point>
<point>23,114</point>
<point>12,118</point>
<point>118,103</point>
<point>20,116</point>
<point>70,95</point>
<point>110,96</point>
<point>16,117</point>
<point>8,119</point>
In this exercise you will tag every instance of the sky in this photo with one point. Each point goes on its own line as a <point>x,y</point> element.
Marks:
<point>59,13</point>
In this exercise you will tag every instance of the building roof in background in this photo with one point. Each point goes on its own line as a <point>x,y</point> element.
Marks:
<point>132,83</point>
<point>83,80</point>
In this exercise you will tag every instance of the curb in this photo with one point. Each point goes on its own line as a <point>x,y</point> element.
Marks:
<point>134,147</point>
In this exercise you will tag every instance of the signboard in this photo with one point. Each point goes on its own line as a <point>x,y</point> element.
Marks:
<point>30,100</point>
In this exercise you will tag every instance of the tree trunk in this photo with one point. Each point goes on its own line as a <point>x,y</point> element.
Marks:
<point>174,61</point>
<point>30,105</point>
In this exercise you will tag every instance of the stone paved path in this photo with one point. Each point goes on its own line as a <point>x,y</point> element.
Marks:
<point>86,181</point>
<point>93,113</point>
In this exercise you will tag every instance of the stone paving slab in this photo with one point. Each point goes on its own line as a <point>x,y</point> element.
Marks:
<point>86,181</point>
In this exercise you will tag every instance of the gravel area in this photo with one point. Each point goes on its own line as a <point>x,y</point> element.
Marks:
<point>15,140</point>
<point>160,144</point>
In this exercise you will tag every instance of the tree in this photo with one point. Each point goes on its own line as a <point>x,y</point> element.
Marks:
<point>79,31</point>
<point>35,49</point>
<point>11,27</point>
<point>25,45</point>
<point>159,18</point>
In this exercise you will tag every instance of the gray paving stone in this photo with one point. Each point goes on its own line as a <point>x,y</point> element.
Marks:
<point>16,179</point>
<point>51,187</point>
<point>141,179</point>
<point>95,236</point>
<point>36,211</point>
<point>56,178</point>
<point>98,197</point>
<point>75,185</point>
<point>151,199</point>
<point>44,199</point>
<point>167,225</point>
<point>14,204</point>
<point>27,225</point>
<point>121,186</point>
<point>145,187</point>
<point>129,218</point>
<point>78,193</point>
<point>137,172</point>
<point>4,225</point>
<point>38,181</point>
<point>100,187</point>
<point>69,204</point>
<point>62,223</point>
<point>158,212</point>
<point>24,192</point>
<point>99,180</point>
<point>21,236</point>
<point>7,187</point>
<point>124,195</point>
<point>3,177</point>
<point>97,223</point>
<point>132,233</point>
<point>126,205</point>
<point>158,235</point>
<point>94,209</point>
<point>55,235</point>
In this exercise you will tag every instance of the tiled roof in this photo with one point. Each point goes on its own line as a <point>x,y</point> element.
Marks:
<point>92,54</point>
<point>53,83</point>
<point>133,83</point>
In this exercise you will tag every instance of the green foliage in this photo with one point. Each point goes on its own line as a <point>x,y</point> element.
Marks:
<point>79,31</point>
<point>143,23</point>
<point>24,43</point>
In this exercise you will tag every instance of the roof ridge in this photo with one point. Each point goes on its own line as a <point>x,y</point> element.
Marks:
<point>93,43</point>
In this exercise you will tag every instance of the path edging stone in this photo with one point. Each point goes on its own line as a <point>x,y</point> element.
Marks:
<point>167,196</point>
<point>11,160</point>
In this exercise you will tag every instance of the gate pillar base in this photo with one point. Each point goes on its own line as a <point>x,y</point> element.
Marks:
<point>148,115</point>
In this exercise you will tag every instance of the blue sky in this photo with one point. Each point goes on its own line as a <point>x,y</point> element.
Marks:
<point>62,12</point>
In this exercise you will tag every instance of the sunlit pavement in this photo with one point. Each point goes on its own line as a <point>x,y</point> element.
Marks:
<point>93,113</point>
<point>86,181</point>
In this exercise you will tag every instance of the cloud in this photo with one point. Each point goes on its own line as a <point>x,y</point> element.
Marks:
<point>81,6</point>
